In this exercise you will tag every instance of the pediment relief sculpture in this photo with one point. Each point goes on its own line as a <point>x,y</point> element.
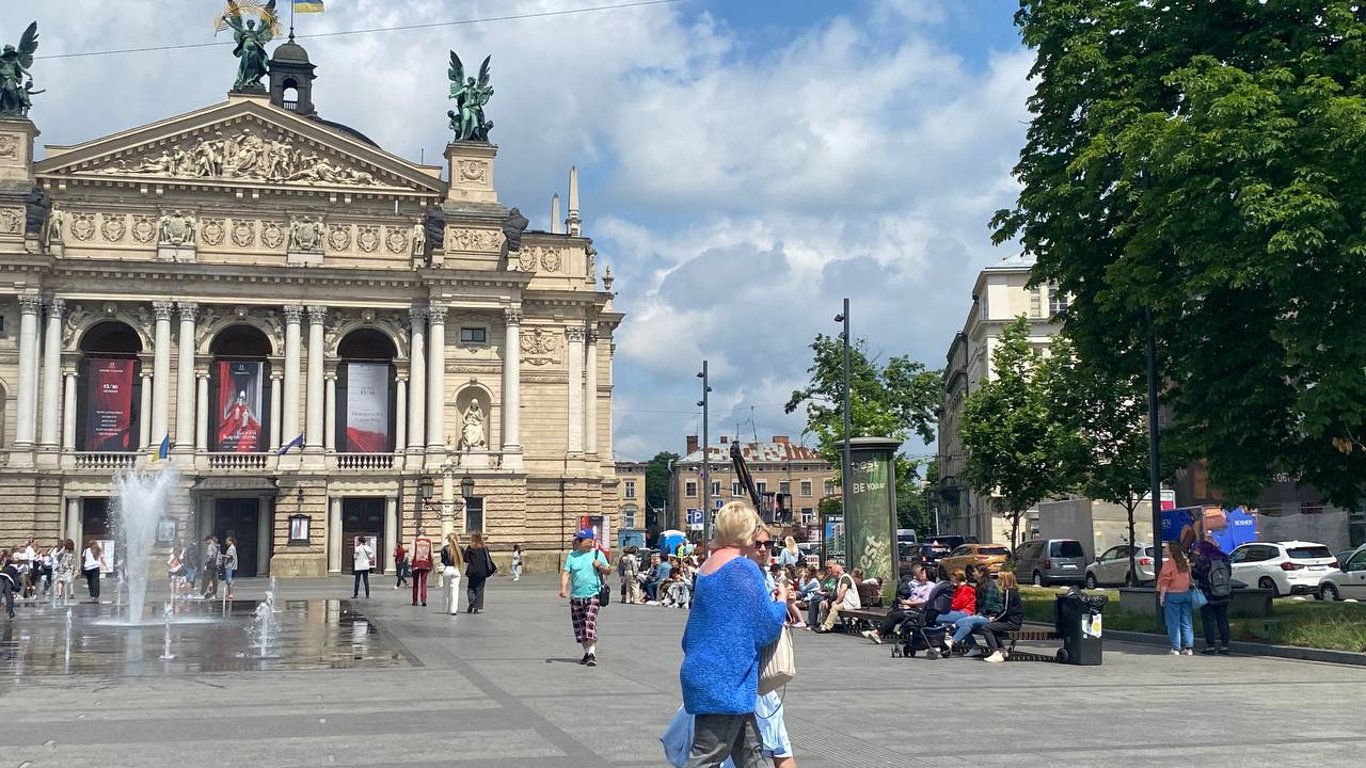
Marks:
<point>306,235</point>
<point>175,229</point>
<point>258,155</point>
<point>540,347</point>
<point>474,240</point>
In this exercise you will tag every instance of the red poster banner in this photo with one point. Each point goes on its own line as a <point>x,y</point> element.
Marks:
<point>109,406</point>
<point>367,407</point>
<point>239,402</point>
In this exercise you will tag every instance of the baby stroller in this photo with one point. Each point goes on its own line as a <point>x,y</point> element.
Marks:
<point>908,636</point>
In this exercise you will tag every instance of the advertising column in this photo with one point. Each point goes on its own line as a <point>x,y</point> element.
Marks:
<point>870,521</point>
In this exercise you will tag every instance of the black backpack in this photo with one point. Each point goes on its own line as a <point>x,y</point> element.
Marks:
<point>1220,578</point>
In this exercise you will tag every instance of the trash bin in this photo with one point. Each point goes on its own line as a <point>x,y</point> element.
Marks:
<point>1077,618</point>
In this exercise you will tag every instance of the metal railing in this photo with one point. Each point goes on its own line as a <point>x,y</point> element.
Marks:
<point>231,461</point>
<point>365,461</point>
<point>105,461</point>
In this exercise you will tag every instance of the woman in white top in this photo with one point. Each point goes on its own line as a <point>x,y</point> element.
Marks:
<point>90,566</point>
<point>229,563</point>
<point>64,570</point>
<point>361,561</point>
<point>790,555</point>
<point>452,564</point>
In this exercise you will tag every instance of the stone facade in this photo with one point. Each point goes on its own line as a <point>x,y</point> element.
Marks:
<point>351,288</point>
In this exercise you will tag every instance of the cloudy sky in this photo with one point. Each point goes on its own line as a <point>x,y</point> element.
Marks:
<point>745,164</point>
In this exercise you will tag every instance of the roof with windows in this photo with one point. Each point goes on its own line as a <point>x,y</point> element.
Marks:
<point>774,452</point>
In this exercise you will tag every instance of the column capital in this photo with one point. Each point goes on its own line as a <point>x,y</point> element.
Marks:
<point>205,375</point>
<point>401,378</point>
<point>30,303</point>
<point>512,315</point>
<point>591,333</point>
<point>163,309</point>
<point>330,376</point>
<point>317,314</point>
<point>574,332</point>
<point>436,314</point>
<point>294,313</point>
<point>277,376</point>
<point>417,315</point>
<point>146,374</point>
<point>56,306</point>
<point>189,310</point>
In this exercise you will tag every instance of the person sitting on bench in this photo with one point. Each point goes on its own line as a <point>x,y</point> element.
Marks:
<point>911,595</point>
<point>988,605</point>
<point>1009,620</point>
<point>846,596</point>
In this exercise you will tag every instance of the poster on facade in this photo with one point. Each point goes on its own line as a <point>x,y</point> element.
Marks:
<point>109,407</point>
<point>239,406</point>
<point>107,561</point>
<point>367,407</point>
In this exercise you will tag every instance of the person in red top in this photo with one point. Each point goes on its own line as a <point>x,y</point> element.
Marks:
<point>400,565</point>
<point>422,565</point>
<point>964,605</point>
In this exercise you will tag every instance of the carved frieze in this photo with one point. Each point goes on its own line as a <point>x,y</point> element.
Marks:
<point>474,170</point>
<point>144,229</point>
<point>339,237</point>
<point>250,155</point>
<point>177,229</point>
<point>306,235</point>
<point>113,227</point>
<point>474,240</point>
<point>82,226</point>
<point>9,147</point>
<point>11,221</point>
<point>212,231</point>
<point>527,260</point>
<point>368,239</point>
<point>272,234</point>
<point>396,240</point>
<point>550,258</point>
<point>243,233</point>
<point>540,347</point>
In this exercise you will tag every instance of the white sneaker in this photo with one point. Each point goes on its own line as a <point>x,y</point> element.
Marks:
<point>872,634</point>
<point>995,658</point>
<point>948,642</point>
<point>1173,652</point>
<point>1187,652</point>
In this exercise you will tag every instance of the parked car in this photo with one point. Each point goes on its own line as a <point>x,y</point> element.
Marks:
<point>1350,581</point>
<point>1342,557</point>
<point>952,541</point>
<point>1042,562</point>
<point>930,553</point>
<point>1284,567</point>
<point>960,559</point>
<point>1112,567</point>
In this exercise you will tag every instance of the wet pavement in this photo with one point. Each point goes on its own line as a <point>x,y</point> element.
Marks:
<point>202,636</point>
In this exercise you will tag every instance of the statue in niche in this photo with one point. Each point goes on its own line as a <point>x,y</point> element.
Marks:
<point>176,229</point>
<point>55,218</point>
<point>472,432</point>
<point>419,240</point>
<point>306,235</point>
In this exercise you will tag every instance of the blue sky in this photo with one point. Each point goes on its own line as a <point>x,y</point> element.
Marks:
<point>745,163</point>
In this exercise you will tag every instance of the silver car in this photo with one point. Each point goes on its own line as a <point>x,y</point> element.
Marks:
<point>1112,567</point>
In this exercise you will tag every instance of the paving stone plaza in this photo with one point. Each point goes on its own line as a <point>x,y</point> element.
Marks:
<point>379,681</point>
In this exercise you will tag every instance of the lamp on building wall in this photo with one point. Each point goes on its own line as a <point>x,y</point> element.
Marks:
<point>466,487</point>
<point>424,492</point>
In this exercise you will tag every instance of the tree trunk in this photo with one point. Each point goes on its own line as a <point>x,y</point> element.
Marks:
<point>1129,507</point>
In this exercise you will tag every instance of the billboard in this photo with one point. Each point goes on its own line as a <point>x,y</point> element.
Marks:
<point>367,408</point>
<point>109,405</point>
<point>870,521</point>
<point>239,406</point>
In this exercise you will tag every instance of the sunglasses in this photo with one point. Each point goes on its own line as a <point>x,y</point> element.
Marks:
<point>762,542</point>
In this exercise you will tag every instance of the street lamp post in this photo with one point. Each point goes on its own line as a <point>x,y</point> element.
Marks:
<point>846,468</point>
<point>1154,443</point>
<point>705,404</point>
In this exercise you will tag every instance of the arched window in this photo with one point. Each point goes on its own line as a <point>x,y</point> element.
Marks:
<point>109,389</point>
<point>289,94</point>
<point>365,392</point>
<point>239,396</point>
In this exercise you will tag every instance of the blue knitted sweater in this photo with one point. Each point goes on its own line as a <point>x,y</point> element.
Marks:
<point>733,617</point>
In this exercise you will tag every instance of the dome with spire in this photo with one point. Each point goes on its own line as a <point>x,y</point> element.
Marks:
<point>290,52</point>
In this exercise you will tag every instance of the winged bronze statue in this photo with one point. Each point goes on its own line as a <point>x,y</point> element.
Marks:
<point>471,95</point>
<point>16,82</point>
<point>251,43</point>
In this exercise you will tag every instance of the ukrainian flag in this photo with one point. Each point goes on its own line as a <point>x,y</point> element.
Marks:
<point>308,6</point>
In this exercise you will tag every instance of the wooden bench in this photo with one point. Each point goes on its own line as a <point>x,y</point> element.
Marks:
<point>855,619</point>
<point>1030,634</point>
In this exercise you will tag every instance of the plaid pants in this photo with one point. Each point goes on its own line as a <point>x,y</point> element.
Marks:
<point>584,612</point>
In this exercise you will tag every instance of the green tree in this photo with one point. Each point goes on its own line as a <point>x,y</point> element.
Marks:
<point>1202,162</point>
<point>657,479</point>
<point>894,400</point>
<point>912,504</point>
<point>1013,447</point>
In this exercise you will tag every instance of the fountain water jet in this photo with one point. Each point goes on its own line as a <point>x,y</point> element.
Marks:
<point>141,500</point>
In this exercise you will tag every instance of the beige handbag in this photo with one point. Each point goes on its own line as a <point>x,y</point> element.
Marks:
<point>777,663</point>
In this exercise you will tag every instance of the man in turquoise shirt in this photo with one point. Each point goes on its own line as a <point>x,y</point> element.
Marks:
<point>580,582</point>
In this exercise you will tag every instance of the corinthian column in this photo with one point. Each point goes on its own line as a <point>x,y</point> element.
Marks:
<point>575,354</point>
<point>290,402</point>
<point>69,413</point>
<point>512,386</point>
<point>313,427</point>
<point>185,378</point>
<point>161,372</point>
<point>417,369</point>
<point>590,394</point>
<point>436,382</point>
<point>27,419</point>
<point>330,414</point>
<point>52,374</point>
<point>201,436</point>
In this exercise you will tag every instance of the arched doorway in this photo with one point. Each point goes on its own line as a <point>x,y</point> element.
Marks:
<point>365,392</point>
<point>109,388</point>
<point>239,397</point>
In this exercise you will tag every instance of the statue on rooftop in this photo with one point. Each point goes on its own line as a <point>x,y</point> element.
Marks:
<point>251,41</point>
<point>471,96</point>
<point>16,82</point>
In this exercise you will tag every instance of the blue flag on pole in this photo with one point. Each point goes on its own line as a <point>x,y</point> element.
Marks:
<point>165,449</point>
<point>297,442</point>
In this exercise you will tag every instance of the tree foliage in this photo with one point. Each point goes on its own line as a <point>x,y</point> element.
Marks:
<point>657,479</point>
<point>1204,161</point>
<point>894,400</point>
<point>1011,442</point>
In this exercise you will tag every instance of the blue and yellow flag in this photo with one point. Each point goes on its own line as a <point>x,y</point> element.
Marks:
<point>308,6</point>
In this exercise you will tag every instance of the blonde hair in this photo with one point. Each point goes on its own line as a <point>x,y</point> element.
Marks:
<point>457,557</point>
<point>791,545</point>
<point>735,525</point>
<point>1006,580</point>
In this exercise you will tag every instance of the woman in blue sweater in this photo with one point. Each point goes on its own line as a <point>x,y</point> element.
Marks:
<point>733,617</point>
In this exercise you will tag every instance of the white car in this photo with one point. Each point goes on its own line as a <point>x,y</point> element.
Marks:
<point>1112,567</point>
<point>1284,567</point>
<point>1350,582</point>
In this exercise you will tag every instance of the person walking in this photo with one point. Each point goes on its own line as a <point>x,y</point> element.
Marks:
<point>580,582</point>
<point>229,564</point>
<point>452,563</point>
<point>479,567</point>
<point>208,588</point>
<point>1174,595</point>
<point>1214,576</point>
<point>400,565</point>
<point>9,582</point>
<point>362,560</point>
<point>733,617</point>
<point>64,570</point>
<point>629,569</point>
<point>90,567</point>
<point>422,565</point>
<point>191,560</point>
<point>516,562</point>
